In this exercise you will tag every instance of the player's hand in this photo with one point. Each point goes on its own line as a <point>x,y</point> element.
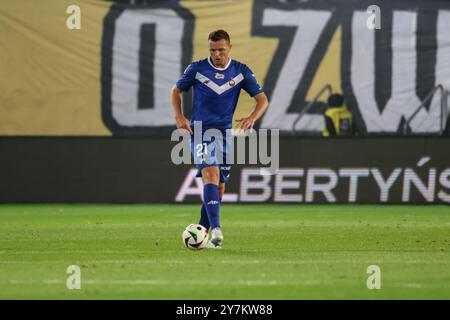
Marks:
<point>183,123</point>
<point>246,123</point>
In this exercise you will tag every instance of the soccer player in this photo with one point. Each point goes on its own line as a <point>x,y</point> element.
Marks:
<point>217,82</point>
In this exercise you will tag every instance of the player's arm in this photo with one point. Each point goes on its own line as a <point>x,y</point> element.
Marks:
<point>261,106</point>
<point>181,121</point>
<point>254,90</point>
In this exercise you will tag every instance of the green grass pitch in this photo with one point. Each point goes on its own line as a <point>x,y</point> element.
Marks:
<point>270,252</point>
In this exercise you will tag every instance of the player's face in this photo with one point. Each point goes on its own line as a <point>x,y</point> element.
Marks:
<point>219,51</point>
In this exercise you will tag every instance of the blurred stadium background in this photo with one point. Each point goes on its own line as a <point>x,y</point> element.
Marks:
<point>85,117</point>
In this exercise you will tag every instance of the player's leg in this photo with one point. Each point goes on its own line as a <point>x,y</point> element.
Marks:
<point>211,175</point>
<point>216,233</point>
<point>211,201</point>
<point>204,220</point>
<point>211,196</point>
<point>199,151</point>
<point>214,178</point>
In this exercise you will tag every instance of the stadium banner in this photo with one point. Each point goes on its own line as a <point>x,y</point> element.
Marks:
<point>140,170</point>
<point>105,68</point>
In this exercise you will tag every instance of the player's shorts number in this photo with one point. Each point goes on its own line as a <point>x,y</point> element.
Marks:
<point>201,150</point>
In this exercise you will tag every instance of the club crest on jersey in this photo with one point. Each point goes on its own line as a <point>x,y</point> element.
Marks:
<point>219,76</point>
<point>231,83</point>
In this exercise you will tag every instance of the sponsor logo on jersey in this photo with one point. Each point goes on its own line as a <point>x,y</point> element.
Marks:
<point>219,76</point>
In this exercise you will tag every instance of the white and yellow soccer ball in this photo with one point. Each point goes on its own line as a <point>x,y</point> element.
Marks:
<point>195,236</point>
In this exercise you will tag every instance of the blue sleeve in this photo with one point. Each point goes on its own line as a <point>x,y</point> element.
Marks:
<point>250,84</point>
<point>188,78</point>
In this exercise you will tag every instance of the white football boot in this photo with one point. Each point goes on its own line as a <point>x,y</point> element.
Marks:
<point>210,245</point>
<point>216,239</point>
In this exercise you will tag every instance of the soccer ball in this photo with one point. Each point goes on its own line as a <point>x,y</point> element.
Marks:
<point>195,236</point>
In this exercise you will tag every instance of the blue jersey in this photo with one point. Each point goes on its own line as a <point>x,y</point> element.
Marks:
<point>216,90</point>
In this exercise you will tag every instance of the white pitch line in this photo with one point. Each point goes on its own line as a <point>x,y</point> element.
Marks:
<point>236,262</point>
<point>164,282</point>
<point>72,251</point>
<point>249,283</point>
<point>83,251</point>
<point>411,285</point>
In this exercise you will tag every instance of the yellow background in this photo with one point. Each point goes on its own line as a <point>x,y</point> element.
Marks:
<point>50,75</point>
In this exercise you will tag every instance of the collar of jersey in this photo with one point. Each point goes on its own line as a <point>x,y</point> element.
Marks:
<point>220,69</point>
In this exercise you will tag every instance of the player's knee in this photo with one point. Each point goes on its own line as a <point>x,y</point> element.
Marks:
<point>211,175</point>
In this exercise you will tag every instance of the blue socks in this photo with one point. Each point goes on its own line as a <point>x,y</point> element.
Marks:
<point>204,220</point>
<point>211,206</point>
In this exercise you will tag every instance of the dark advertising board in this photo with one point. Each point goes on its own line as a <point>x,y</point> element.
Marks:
<point>311,170</point>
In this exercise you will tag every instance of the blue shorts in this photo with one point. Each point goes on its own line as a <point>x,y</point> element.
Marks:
<point>209,151</point>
